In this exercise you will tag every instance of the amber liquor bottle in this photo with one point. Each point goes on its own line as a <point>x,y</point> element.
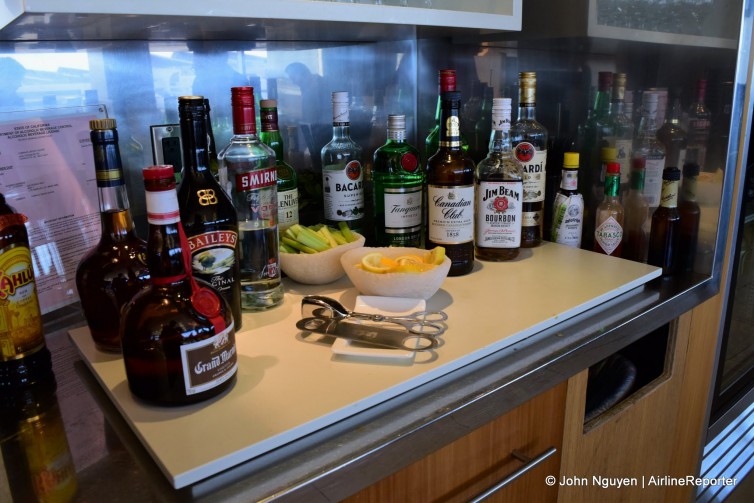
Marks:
<point>690,213</point>
<point>450,191</point>
<point>115,269</point>
<point>608,228</point>
<point>664,235</point>
<point>178,334</point>
<point>499,192</point>
<point>529,139</point>
<point>208,216</point>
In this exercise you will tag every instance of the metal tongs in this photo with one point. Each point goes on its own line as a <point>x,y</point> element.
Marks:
<point>418,331</point>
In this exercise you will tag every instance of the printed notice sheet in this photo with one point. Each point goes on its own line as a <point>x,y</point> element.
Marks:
<point>47,173</point>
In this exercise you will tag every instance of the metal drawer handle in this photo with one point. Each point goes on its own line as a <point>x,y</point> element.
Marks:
<point>530,463</point>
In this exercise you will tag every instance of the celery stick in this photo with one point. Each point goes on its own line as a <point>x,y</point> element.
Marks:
<point>287,249</point>
<point>346,232</point>
<point>325,232</point>
<point>309,238</point>
<point>338,237</point>
<point>298,246</point>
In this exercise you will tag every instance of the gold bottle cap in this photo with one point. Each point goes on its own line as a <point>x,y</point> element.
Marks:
<point>527,88</point>
<point>608,154</point>
<point>100,124</point>
<point>571,160</point>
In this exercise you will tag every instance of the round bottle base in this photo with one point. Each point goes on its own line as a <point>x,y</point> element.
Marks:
<point>261,300</point>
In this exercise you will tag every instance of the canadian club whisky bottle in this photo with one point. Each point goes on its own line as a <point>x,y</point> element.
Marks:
<point>208,215</point>
<point>342,173</point>
<point>178,334</point>
<point>608,228</point>
<point>23,354</point>
<point>499,192</point>
<point>568,207</point>
<point>398,181</point>
<point>287,178</point>
<point>450,191</point>
<point>115,269</point>
<point>529,139</point>
<point>251,169</point>
<point>664,236</point>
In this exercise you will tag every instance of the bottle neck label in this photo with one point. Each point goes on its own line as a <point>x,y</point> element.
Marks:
<point>269,119</point>
<point>340,115</point>
<point>669,197</point>
<point>570,180</point>
<point>107,166</point>
<point>162,207</point>
<point>450,133</point>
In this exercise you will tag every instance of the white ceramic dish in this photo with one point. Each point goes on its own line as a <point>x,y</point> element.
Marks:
<point>392,306</point>
<point>394,284</point>
<point>317,268</point>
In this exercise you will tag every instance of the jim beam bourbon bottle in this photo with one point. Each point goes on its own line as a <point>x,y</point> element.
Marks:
<point>178,335</point>
<point>112,272</point>
<point>450,191</point>
<point>529,139</point>
<point>208,216</point>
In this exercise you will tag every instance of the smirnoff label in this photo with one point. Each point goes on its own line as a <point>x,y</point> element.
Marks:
<point>498,211</point>
<point>256,179</point>
<point>451,214</point>
<point>533,162</point>
<point>403,209</point>
<point>343,191</point>
<point>609,235</point>
<point>209,362</point>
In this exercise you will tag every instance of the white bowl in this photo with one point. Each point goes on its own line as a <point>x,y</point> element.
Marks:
<point>317,268</point>
<point>421,285</point>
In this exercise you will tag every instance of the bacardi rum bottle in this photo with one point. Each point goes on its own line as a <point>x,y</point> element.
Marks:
<point>342,173</point>
<point>253,178</point>
<point>287,178</point>
<point>450,191</point>
<point>499,192</point>
<point>529,139</point>
<point>398,181</point>
<point>115,269</point>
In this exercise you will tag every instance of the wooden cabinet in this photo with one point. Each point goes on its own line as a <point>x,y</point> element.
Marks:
<point>474,463</point>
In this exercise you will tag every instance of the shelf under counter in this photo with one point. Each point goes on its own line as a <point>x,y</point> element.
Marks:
<point>288,388</point>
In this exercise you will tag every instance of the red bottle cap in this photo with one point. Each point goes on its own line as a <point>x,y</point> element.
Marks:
<point>613,168</point>
<point>447,80</point>
<point>244,115</point>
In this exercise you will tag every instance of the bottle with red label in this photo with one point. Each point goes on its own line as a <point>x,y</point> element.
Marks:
<point>252,176</point>
<point>208,216</point>
<point>608,228</point>
<point>178,335</point>
<point>397,189</point>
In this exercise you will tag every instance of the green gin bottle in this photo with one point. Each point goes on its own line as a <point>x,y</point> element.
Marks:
<point>287,178</point>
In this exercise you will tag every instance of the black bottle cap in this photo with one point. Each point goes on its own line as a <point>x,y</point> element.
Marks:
<point>691,169</point>
<point>671,174</point>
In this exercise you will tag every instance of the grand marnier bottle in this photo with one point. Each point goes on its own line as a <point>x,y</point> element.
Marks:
<point>112,272</point>
<point>178,335</point>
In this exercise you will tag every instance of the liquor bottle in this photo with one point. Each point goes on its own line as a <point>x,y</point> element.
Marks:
<point>608,228</point>
<point>114,270</point>
<point>622,128</point>
<point>529,139</point>
<point>208,216</point>
<point>253,175</point>
<point>450,191</point>
<point>287,178</point>
<point>672,135</point>
<point>568,207</point>
<point>499,192</point>
<point>698,128</point>
<point>664,236</point>
<point>178,334</point>
<point>592,135</point>
<point>38,466</point>
<point>482,126</point>
<point>214,164</point>
<point>649,149</point>
<point>397,192</point>
<point>688,209</point>
<point>23,353</point>
<point>446,81</point>
<point>636,208</point>
<point>342,174</point>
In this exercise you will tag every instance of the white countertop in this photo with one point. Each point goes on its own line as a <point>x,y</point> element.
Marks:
<point>288,387</point>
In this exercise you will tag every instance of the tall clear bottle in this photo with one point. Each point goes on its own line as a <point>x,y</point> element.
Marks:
<point>672,135</point>
<point>178,335</point>
<point>650,150</point>
<point>608,228</point>
<point>342,173</point>
<point>529,139</point>
<point>115,269</point>
<point>698,128</point>
<point>664,236</point>
<point>287,177</point>
<point>499,192</point>
<point>450,191</point>
<point>398,181</point>
<point>635,238</point>
<point>593,135</point>
<point>622,128</point>
<point>568,207</point>
<point>208,216</point>
<point>253,189</point>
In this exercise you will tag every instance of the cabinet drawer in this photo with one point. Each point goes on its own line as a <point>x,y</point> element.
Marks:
<point>478,461</point>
